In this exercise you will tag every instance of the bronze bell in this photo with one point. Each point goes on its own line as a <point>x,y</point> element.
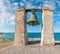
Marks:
<point>33,20</point>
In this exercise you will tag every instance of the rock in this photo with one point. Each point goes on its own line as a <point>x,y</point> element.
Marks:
<point>2,38</point>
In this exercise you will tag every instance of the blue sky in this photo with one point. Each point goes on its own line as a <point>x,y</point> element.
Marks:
<point>7,13</point>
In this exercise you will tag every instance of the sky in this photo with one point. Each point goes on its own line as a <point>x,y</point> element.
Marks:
<point>8,10</point>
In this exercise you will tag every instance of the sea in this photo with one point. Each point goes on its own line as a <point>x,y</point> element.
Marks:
<point>10,36</point>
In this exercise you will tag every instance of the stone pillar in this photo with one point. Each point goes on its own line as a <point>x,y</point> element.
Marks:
<point>47,30</point>
<point>20,31</point>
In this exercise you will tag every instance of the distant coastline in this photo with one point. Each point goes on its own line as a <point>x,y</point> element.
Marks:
<point>1,32</point>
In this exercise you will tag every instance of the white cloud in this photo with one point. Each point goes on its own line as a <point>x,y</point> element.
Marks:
<point>15,5</point>
<point>6,13</point>
<point>21,3</point>
<point>49,3</point>
<point>12,20</point>
<point>1,21</point>
<point>59,23</point>
<point>58,2</point>
<point>12,23</point>
<point>56,14</point>
<point>29,4</point>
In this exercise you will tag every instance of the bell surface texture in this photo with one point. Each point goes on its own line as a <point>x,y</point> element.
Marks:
<point>33,20</point>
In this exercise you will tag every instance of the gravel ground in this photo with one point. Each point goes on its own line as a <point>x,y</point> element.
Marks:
<point>30,50</point>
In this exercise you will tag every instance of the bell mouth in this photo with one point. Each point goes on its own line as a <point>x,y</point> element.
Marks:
<point>33,23</point>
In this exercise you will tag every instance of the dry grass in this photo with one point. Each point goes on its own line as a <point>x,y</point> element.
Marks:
<point>4,41</point>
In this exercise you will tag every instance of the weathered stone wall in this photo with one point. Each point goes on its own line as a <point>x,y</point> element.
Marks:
<point>47,30</point>
<point>20,31</point>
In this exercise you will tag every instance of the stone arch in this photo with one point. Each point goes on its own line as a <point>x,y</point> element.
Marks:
<point>47,30</point>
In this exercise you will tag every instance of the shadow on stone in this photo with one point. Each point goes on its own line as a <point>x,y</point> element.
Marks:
<point>57,43</point>
<point>34,42</point>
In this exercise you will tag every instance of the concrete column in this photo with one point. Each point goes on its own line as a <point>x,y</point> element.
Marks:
<point>47,30</point>
<point>20,31</point>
